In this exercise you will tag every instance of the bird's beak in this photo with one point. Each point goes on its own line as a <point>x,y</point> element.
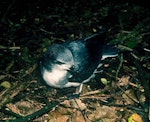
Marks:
<point>71,69</point>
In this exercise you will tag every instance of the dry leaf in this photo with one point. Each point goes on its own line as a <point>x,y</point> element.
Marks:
<point>124,81</point>
<point>103,112</point>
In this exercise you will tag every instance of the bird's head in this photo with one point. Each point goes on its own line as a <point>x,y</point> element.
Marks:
<point>57,56</point>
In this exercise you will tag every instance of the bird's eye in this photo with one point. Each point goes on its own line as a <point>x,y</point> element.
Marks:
<point>58,62</point>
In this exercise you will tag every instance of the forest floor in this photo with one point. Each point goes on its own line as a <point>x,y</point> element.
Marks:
<point>121,93</point>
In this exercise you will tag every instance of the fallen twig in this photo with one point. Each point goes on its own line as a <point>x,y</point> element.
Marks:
<point>30,117</point>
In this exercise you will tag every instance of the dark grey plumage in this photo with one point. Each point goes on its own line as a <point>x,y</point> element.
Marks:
<point>73,63</point>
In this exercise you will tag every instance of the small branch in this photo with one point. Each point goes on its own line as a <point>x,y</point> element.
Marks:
<point>10,48</point>
<point>122,47</point>
<point>43,30</point>
<point>128,107</point>
<point>11,93</point>
<point>131,98</point>
<point>148,50</point>
<point>50,33</point>
<point>90,93</point>
<point>8,75</point>
<point>42,111</point>
<point>30,70</point>
<point>120,65</point>
<point>143,34</point>
<point>143,78</point>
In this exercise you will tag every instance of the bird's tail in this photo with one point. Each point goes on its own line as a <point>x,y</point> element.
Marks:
<point>98,44</point>
<point>109,51</point>
<point>95,42</point>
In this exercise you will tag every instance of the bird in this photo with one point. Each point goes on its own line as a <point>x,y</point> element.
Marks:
<point>75,62</point>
